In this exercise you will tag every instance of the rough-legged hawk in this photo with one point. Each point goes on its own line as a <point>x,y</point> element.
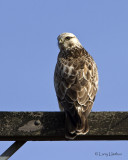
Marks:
<point>76,84</point>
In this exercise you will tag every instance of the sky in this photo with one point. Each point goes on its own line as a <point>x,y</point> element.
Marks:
<point>28,54</point>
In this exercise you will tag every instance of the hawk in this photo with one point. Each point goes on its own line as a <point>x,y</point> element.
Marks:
<point>76,84</point>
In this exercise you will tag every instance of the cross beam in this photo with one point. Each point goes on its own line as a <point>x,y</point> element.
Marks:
<point>47,126</point>
<point>50,126</point>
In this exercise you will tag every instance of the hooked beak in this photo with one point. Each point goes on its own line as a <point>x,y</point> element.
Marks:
<point>60,41</point>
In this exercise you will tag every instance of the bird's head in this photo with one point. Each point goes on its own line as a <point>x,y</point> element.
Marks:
<point>67,41</point>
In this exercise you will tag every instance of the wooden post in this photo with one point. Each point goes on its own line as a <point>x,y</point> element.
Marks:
<point>11,150</point>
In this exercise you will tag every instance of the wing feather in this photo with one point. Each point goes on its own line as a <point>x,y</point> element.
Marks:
<point>76,84</point>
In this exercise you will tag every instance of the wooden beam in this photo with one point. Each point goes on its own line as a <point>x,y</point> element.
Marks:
<point>46,126</point>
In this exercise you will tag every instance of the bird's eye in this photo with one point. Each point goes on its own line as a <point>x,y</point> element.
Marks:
<point>68,38</point>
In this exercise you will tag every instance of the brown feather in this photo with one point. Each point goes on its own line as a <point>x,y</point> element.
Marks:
<point>76,84</point>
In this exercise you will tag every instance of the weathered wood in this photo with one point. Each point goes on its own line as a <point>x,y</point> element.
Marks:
<point>45,126</point>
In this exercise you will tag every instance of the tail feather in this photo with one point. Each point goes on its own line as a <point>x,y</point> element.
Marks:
<point>75,125</point>
<point>70,128</point>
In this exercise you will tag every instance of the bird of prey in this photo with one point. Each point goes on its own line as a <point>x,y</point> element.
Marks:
<point>76,84</point>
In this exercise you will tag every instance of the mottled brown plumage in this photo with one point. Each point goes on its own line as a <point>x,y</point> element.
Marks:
<point>76,84</point>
